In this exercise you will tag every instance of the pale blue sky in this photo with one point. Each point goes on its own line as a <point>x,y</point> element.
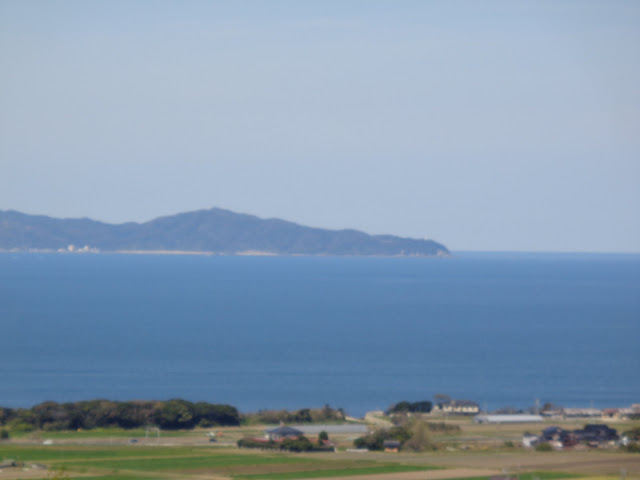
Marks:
<point>483,125</point>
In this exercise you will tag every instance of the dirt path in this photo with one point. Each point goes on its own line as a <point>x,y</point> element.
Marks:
<point>423,475</point>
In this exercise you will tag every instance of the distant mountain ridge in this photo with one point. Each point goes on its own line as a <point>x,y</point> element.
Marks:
<point>214,230</point>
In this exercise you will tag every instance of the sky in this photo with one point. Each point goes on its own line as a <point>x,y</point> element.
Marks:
<point>488,126</point>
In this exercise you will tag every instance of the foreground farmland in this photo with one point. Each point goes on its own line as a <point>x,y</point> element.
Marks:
<point>213,463</point>
<point>469,452</point>
<point>133,462</point>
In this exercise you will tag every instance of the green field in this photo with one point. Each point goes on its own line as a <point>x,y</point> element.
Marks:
<point>137,462</point>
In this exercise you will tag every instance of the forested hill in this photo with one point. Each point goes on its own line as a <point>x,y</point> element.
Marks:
<point>214,230</point>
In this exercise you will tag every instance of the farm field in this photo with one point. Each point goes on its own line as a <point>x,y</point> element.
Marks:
<point>475,452</point>
<point>134,462</point>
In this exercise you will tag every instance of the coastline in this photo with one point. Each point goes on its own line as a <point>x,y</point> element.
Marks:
<point>244,253</point>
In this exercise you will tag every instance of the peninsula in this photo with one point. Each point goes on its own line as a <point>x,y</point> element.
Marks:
<point>212,231</point>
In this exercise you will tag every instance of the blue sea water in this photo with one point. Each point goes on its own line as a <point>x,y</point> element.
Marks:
<point>292,332</point>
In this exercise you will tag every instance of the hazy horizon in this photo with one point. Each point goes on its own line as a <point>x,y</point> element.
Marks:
<point>493,126</point>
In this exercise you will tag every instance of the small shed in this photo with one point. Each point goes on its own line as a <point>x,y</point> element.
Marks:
<point>391,446</point>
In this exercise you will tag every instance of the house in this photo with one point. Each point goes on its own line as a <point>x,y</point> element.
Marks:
<point>596,434</point>
<point>282,432</point>
<point>391,446</point>
<point>458,407</point>
<point>592,435</point>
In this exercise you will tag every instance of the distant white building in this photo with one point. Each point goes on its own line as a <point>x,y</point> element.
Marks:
<point>460,407</point>
<point>582,412</point>
<point>507,418</point>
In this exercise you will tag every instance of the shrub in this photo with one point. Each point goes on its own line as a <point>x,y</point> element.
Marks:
<point>509,444</point>
<point>633,434</point>
<point>632,448</point>
<point>300,444</point>
<point>544,447</point>
<point>4,434</point>
<point>420,439</point>
<point>375,440</point>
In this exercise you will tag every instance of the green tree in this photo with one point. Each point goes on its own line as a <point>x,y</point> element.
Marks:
<point>303,415</point>
<point>174,414</point>
<point>403,406</point>
<point>5,415</point>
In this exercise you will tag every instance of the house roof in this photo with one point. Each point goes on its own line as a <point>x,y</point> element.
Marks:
<point>285,431</point>
<point>391,444</point>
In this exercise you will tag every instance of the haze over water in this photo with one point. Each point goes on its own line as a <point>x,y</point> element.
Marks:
<point>293,332</point>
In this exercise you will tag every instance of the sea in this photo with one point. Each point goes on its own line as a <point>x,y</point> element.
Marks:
<point>358,333</point>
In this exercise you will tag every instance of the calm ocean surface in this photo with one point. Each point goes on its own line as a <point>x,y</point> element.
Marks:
<point>292,332</point>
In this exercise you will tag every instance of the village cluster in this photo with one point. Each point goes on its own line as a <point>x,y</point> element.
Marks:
<point>592,435</point>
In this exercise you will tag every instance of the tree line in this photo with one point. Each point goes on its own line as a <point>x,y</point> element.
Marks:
<point>169,415</point>
<point>424,406</point>
<point>304,415</point>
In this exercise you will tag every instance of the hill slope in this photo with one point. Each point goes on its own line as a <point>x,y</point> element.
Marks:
<point>214,230</point>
